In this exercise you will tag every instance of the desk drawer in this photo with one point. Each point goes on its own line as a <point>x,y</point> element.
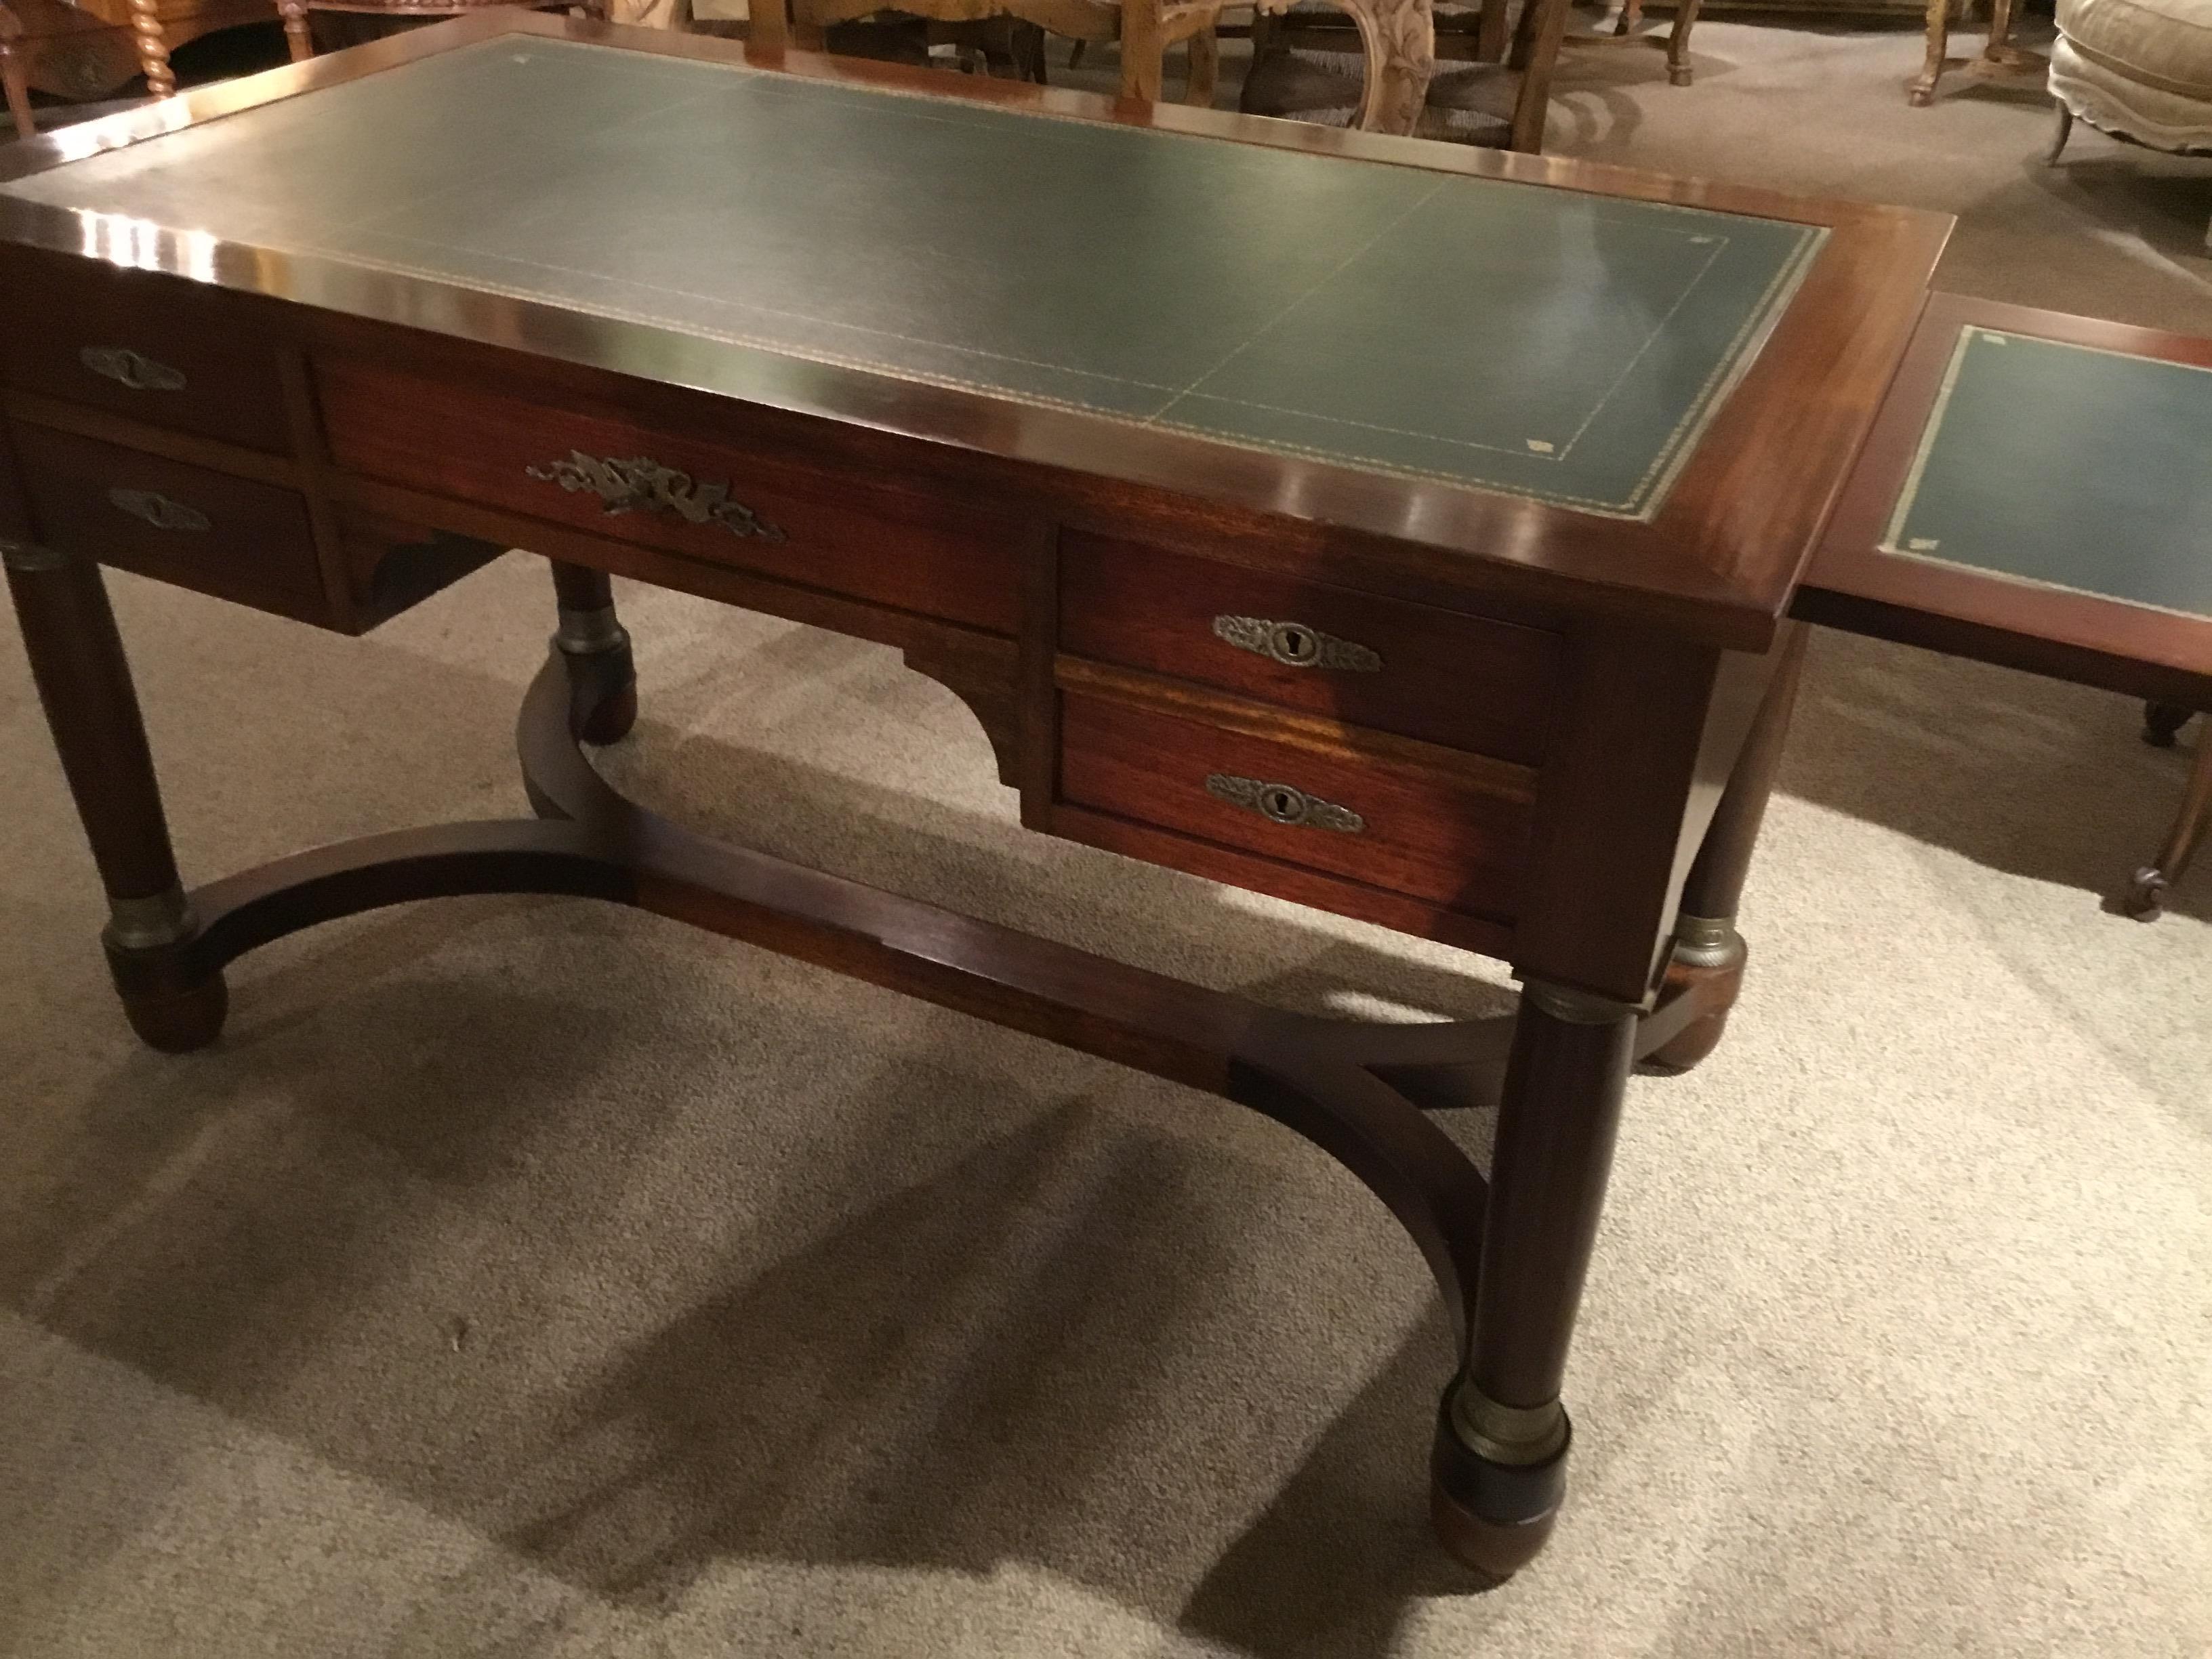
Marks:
<point>157,348</point>
<point>1461,681</point>
<point>208,531</point>
<point>1429,834</point>
<point>848,535</point>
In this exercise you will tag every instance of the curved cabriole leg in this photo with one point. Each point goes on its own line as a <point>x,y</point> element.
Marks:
<point>1500,1470</point>
<point>595,647</point>
<point>1708,953</point>
<point>83,678</point>
<point>2058,138</point>
<point>2147,893</point>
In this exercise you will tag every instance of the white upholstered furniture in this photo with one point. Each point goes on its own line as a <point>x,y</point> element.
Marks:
<point>2139,69</point>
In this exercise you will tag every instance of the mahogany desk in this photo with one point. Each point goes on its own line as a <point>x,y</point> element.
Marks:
<point>1402,531</point>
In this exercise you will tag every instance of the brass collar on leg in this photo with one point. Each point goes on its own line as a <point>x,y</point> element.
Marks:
<point>589,633</point>
<point>1706,941</point>
<point>29,556</point>
<point>149,924</point>
<point>1518,1435</point>
<point>1576,1007</point>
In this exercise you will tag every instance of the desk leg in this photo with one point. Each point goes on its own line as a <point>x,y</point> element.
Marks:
<point>1502,1438</point>
<point>1707,947</point>
<point>595,648</point>
<point>83,678</point>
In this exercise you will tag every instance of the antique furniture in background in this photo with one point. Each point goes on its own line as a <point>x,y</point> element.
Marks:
<point>2035,494</point>
<point>1401,530</point>
<point>89,50</point>
<point>1397,84</point>
<point>1998,59</point>
<point>15,83</point>
<point>2141,72</point>
<point>1679,72</point>
<point>1144,28</point>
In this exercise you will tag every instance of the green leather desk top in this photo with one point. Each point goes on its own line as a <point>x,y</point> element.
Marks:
<point>2068,465</point>
<point>1550,343</point>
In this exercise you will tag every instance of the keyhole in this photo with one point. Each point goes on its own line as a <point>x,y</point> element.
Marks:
<point>1282,802</point>
<point>1296,644</point>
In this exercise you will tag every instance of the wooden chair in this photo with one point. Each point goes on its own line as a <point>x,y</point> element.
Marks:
<point>1146,29</point>
<point>88,49</point>
<point>1398,86</point>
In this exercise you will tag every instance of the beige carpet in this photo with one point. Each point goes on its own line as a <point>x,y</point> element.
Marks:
<point>529,1279</point>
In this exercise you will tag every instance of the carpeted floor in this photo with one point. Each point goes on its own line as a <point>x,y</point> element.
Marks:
<point>528,1279</point>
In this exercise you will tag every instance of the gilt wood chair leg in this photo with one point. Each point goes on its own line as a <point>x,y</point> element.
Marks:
<point>298,41</point>
<point>1679,71</point>
<point>1921,88</point>
<point>15,79</point>
<point>152,41</point>
<point>1204,50</point>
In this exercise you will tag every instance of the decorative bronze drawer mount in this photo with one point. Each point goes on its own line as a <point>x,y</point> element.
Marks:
<point>643,484</point>
<point>127,368</point>
<point>160,511</point>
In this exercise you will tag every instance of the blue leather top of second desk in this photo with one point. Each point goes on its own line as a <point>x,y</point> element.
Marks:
<point>1544,343</point>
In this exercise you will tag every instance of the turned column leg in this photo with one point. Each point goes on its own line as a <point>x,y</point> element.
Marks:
<point>298,42</point>
<point>15,79</point>
<point>1499,1471</point>
<point>83,678</point>
<point>152,41</point>
<point>1921,90</point>
<point>1706,944</point>
<point>595,647</point>
<point>1680,71</point>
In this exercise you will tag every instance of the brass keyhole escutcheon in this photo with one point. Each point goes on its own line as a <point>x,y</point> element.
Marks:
<point>1295,645</point>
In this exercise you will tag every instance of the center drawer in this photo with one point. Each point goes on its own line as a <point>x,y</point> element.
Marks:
<point>690,494</point>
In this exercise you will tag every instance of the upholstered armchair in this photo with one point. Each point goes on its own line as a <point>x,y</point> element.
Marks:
<point>2139,69</point>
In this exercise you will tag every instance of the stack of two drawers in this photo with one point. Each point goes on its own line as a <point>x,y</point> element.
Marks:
<point>1362,753</point>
